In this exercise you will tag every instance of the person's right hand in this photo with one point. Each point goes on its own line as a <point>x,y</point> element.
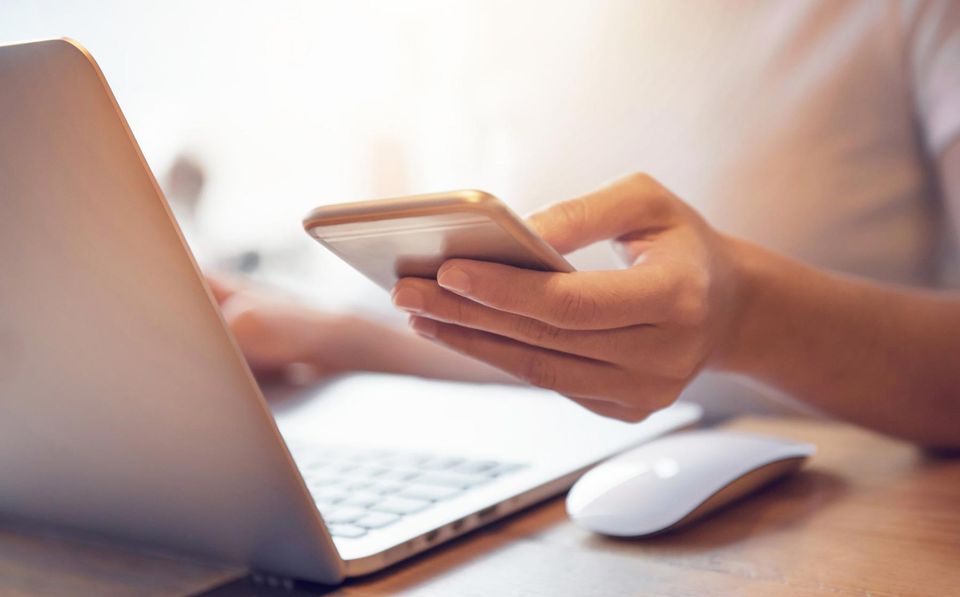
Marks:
<point>277,335</point>
<point>621,342</point>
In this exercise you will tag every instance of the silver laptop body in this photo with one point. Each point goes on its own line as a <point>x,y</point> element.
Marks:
<point>127,411</point>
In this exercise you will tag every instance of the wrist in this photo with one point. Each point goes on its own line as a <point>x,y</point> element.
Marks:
<point>347,343</point>
<point>753,273</point>
<point>357,343</point>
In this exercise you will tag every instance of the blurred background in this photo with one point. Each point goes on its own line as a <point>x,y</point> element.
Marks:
<point>252,113</point>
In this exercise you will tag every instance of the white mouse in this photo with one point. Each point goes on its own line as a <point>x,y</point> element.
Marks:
<point>676,479</point>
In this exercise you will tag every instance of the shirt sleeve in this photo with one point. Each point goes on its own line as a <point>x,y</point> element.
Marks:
<point>933,54</point>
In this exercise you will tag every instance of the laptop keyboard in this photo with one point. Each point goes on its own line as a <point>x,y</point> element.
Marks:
<point>362,491</point>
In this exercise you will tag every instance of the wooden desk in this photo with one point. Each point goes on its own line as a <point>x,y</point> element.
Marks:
<point>869,515</point>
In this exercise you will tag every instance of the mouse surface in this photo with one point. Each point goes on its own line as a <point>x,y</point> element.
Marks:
<point>675,480</point>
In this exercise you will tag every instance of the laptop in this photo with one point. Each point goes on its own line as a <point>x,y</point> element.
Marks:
<point>127,411</point>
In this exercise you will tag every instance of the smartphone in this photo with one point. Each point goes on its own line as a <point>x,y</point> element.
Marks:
<point>389,239</point>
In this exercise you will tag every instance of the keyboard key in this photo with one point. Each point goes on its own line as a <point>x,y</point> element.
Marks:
<point>315,464</point>
<point>475,467</point>
<point>376,520</point>
<point>399,505</point>
<point>357,485</point>
<point>363,499</point>
<point>385,487</point>
<point>397,475</point>
<point>370,470</point>
<point>451,479</point>
<point>330,495</point>
<point>434,493</point>
<point>346,530</point>
<point>345,514</point>
<point>503,469</point>
<point>405,460</point>
<point>436,464</point>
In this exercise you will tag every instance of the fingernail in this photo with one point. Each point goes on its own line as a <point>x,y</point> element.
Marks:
<point>409,300</point>
<point>455,279</point>
<point>424,326</point>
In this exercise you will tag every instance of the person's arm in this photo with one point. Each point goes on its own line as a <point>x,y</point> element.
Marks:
<point>278,335</point>
<point>624,343</point>
<point>948,167</point>
<point>885,357</point>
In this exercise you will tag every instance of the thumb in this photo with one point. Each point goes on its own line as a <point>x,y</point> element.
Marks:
<point>635,202</point>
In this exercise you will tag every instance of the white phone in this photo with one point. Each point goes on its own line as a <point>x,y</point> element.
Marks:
<point>387,239</point>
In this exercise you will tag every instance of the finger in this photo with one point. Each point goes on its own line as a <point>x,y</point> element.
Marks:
<point>564,373</point>
<point>222,286</point>
<point>668,352</point>
<point>424,297</point>
<point>612,410</point>
<point>643,398</point>
<point>630,204</point>
<point>644,294</point>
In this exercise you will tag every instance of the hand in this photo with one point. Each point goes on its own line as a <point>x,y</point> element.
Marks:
<point>621,343</point>
<point>298,344</point>
<point>280,337</point>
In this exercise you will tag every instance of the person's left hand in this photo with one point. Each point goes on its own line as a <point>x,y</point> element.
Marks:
<point>621,343</point>
<point>280,338</point>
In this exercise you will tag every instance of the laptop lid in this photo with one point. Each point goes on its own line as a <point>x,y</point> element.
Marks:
<point>125,407</point>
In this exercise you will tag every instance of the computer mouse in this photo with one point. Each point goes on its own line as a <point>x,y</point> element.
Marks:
<point>674,480</point>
